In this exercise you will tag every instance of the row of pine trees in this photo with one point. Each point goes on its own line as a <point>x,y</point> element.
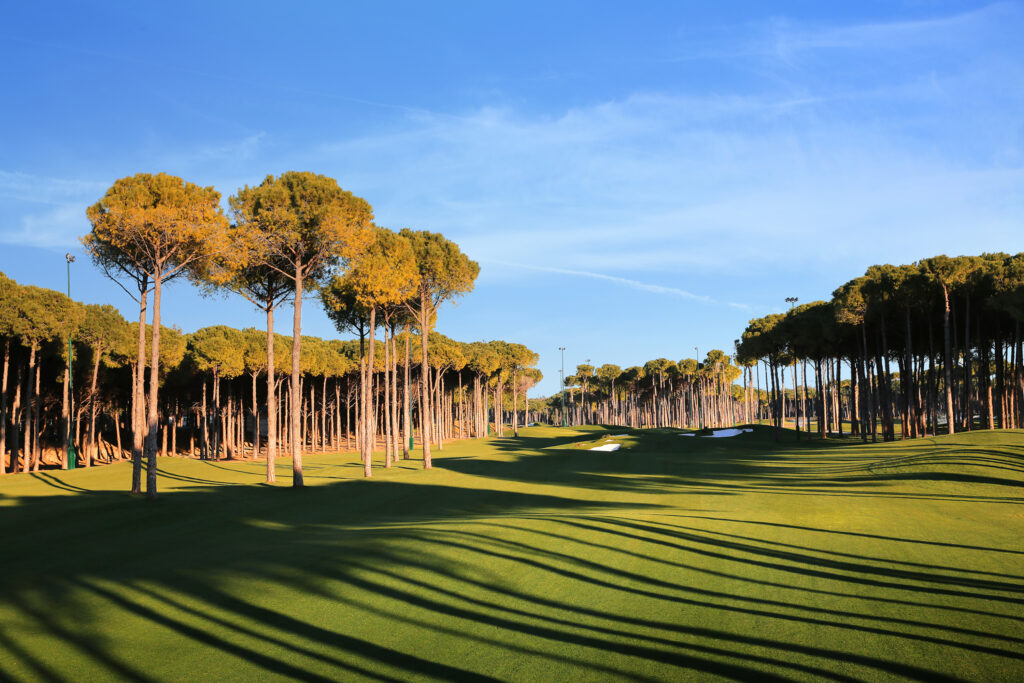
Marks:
<point>661,393</point>
<point>926,348</point>
<point>901,352</point>
<point>212,402</point>
<point>292,236</point>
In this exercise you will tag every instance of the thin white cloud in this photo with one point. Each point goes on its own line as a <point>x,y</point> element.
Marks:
<point>41,190</point>
<point>57,228</point>
<point>627,282</point>
<point>634,284</point>
<point>937,31</point>
<point>784,41</point>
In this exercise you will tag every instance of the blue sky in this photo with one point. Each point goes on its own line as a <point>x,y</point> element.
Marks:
<point>634,181</point>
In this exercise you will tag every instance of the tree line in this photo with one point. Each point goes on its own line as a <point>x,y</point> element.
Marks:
<point>292,234</point>
<point>660,393</point>
<point>910,350</point>
<point>929,347</point>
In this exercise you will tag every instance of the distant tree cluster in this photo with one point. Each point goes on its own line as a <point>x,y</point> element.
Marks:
<point>930,347</point>
<point>152,389</point>
<point>661,393</point>
<point>912,350</point>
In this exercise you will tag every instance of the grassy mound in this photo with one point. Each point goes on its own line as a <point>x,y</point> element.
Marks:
<point>671,559</point>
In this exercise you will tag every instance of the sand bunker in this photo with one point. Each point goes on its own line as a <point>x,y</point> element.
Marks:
<point>607,447</point>
<point>726,432</point>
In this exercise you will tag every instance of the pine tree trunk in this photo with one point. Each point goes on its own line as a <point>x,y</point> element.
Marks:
<point>461,410</point>
<point>91,452</point>
<point>65,419</point>
<point>864,395</point>
<point>336,437</point>
<point>819,386</point>
<point>138,398</point>
<point>271,402</point>
<point>968,412</point>
<point>477,407</point>
<point>153,419</point>
<point>295,392</point>
<point>438,409</point>
<point>515,405</point>
<point>311,412</point>
<point>985,362</point>
<point>369,426</point>
<point>868,405</point>
<point>388,443</point>
<point>1000,386</point>
<point>803,400</point>
<point>37,442</point>
<point>837,399</point>
<point>947,364</point>
<point>872,388</point>
<point>3,408</point>
<point>17,442</point>
<point>117,430</point>
<point>165,425</point>
<point>254,412</point>
<point>796,402</point>
<point>425,416</point>
<point>499,409</point>
<point>406,395</point>
<point>217,417</point>
<point>348,414</point>
<point>908,381</point>
<point>486,409</point>
<point>30,436</point>
<point>204,442</point>
<point>1018,372</point>
<point>885,387</point>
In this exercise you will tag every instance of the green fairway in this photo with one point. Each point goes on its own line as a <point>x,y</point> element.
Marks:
<point>530,559</point>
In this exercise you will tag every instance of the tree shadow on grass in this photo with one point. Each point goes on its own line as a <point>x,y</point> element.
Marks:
<point>61,584</point>
<point>329,542</point>
<point>395,580</point>
<point>628,581</point>
<point>55,482</point>
<point>856,534</point>
<point>658,461</point>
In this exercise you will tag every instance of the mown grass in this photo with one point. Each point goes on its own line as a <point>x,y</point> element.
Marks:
<point>530,559</point>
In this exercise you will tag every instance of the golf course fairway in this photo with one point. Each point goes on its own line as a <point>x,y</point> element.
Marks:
<point>530,559</point>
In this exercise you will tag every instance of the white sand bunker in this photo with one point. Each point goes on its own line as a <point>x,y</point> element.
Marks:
<point>688,434</point>
<point>726,432</point>
<point>607,447</point>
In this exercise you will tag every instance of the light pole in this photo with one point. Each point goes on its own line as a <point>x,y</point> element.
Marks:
<point>791,300</point>
<point>583,399</point>
<point>699,398</point>
<point>562,387</point>
<point>71,457</point>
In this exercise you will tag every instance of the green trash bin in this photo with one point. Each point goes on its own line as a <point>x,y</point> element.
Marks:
<point>72,457</point>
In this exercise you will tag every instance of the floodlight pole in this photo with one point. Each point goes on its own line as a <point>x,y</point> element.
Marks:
<point>71,456</point>
<point>699,406</point>
<point>791,300</point>
<point>562,374</point>
<point>583,396</point>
